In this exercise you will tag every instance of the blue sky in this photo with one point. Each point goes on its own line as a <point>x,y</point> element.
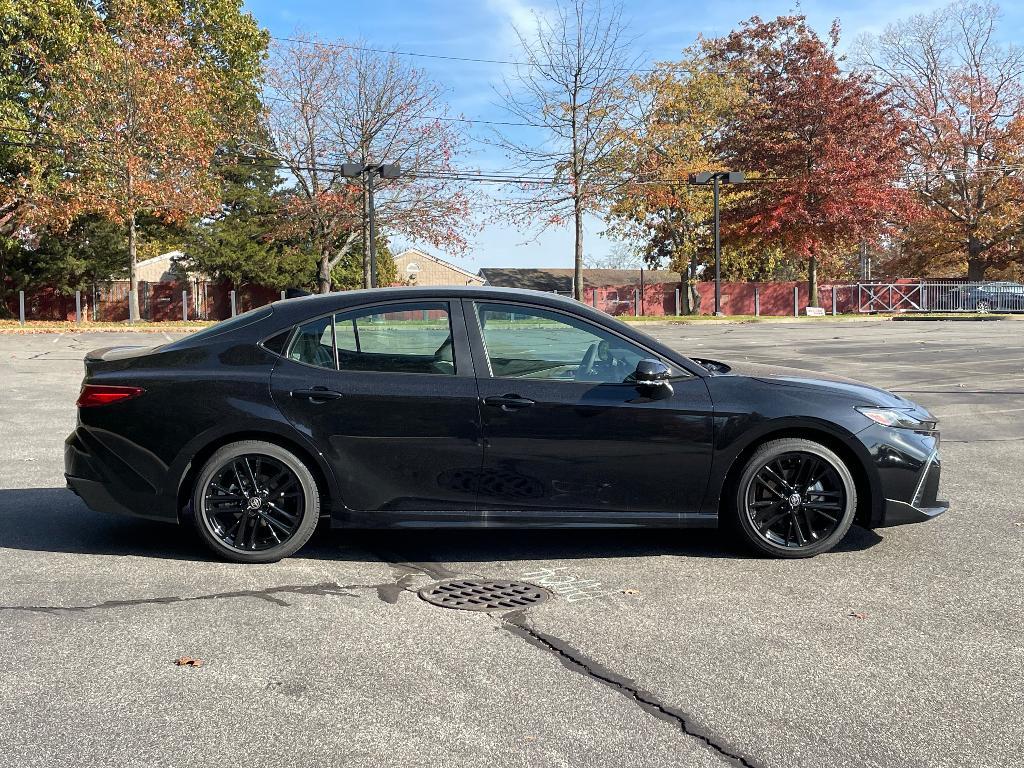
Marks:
<point>483,29</point>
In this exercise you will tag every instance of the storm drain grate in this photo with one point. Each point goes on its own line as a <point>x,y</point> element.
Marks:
<point>483,595</point>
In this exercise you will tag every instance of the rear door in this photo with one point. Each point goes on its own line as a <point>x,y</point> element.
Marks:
<point>566,432</point>
<point>388,394</point>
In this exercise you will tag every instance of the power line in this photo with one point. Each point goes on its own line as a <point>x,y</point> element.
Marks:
<point>432,117</point>
<point>469,59</point>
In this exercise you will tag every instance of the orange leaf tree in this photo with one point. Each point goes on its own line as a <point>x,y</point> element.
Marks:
<point>962,93</point>
<point>133,115</point>
<point>825,144</point>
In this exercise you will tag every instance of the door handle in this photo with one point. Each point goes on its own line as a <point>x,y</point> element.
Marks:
<point>316,394</point>
<point>508,402</point>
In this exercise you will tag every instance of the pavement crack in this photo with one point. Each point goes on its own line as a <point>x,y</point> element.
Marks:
<point>270,594</point>
<point>517,624</point>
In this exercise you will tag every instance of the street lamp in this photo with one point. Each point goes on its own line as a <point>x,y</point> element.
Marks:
<point>367,172</point>
<point>715,179</point>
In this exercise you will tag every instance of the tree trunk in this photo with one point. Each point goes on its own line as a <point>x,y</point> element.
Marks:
<point>812,282</point>
<point>693,295</point>
<point>577,282</point>
<point>975,260</point>
<point>133,277</point>
<point>324,276</point>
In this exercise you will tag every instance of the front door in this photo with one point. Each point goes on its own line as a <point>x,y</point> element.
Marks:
<point>566,431</point>
<point>388,394</point>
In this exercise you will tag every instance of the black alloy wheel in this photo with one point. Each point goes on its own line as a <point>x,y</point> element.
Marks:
<point>796,498</point>
<point>255,502</point>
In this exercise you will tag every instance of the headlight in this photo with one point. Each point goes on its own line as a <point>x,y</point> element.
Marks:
<point>896,417</point>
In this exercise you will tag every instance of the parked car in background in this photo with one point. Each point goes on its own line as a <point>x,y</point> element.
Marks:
<point>1001,296</point>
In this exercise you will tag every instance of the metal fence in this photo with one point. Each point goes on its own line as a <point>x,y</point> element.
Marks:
<point>946,296</point>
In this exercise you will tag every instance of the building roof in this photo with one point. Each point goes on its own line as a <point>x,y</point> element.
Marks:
<point>423,255</point>
<point>544,279</point>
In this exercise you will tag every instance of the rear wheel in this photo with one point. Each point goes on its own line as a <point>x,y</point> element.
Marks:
<point>795,498</point>
<point>255,502</point>
<point>983,305</point>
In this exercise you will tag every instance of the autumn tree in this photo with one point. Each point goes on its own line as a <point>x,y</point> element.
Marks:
<point>330,103</point>
<point>32,33</point>
<point>825,144</point>
<point>961,93</point>
<point>132,120</point>
<point>569,87</point>
<point>678,110</point>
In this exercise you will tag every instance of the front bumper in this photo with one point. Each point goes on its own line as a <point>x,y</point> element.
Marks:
<point>900,512</point>
<point>923,503</point>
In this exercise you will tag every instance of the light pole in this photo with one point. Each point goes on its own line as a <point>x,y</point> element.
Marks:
<point>367,172</point>
<point>715,179</point>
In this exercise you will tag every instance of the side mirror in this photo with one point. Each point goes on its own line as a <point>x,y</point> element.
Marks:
<point>652,373</point>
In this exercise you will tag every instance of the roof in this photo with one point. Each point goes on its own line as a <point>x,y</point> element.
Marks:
<point>169,256</point>
<point>545,279</point>
<point>309,306</point>
<point>424,255</point>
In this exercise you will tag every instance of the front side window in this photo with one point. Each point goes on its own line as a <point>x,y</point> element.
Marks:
<point>402,338</point>
<point>532,343</point>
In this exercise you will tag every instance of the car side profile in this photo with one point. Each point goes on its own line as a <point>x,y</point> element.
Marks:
<point>484,407</point>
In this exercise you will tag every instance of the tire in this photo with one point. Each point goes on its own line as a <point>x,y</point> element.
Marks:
<point>806,511</point>
<point>241,529</point>
<point>983,306</point>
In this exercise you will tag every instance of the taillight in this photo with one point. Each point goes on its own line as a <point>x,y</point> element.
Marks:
<point>100,394</point>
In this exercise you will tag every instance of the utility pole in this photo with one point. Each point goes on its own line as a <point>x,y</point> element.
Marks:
<point>715,179</point>
<point>367,172</point>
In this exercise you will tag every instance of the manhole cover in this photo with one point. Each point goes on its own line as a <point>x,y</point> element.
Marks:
<point>483,595</point>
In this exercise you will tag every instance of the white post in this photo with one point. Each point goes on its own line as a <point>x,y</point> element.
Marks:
<point>184,306</point>
<point>78,306</point>
<point>21,306</point>
<point>232,303</point>
<point>796,301</point>
<point>757,300</point>
<point>833,301</point>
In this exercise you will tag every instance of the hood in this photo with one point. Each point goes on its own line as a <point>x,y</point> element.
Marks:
<point>795,377</point>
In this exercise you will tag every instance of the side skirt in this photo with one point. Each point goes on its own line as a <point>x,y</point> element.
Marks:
<point>518,519</point>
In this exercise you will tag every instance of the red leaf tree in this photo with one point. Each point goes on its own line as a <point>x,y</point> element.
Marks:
<point>823,147</point>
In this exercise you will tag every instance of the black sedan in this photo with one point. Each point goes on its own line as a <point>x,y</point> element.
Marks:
<point>483,407</point>
<point>999,296</point>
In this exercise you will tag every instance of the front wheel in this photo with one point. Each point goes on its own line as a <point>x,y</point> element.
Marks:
<point>255,502</point>
<point>795,498</point>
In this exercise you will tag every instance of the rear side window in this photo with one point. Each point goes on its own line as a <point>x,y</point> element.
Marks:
<point>400,338</point>
<point>314,344</point>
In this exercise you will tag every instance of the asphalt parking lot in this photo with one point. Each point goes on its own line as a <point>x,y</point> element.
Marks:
<point>905,647</point>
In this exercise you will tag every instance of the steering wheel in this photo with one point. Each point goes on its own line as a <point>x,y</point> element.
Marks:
<point>586,366</point>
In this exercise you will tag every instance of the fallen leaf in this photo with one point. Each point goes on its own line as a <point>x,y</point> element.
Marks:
<point>631,591</point>
<point>188,661</point>
<point>858,615</point>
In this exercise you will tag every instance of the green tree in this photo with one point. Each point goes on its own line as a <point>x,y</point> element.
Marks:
<point>347,274</point>
<point>237,243</point>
